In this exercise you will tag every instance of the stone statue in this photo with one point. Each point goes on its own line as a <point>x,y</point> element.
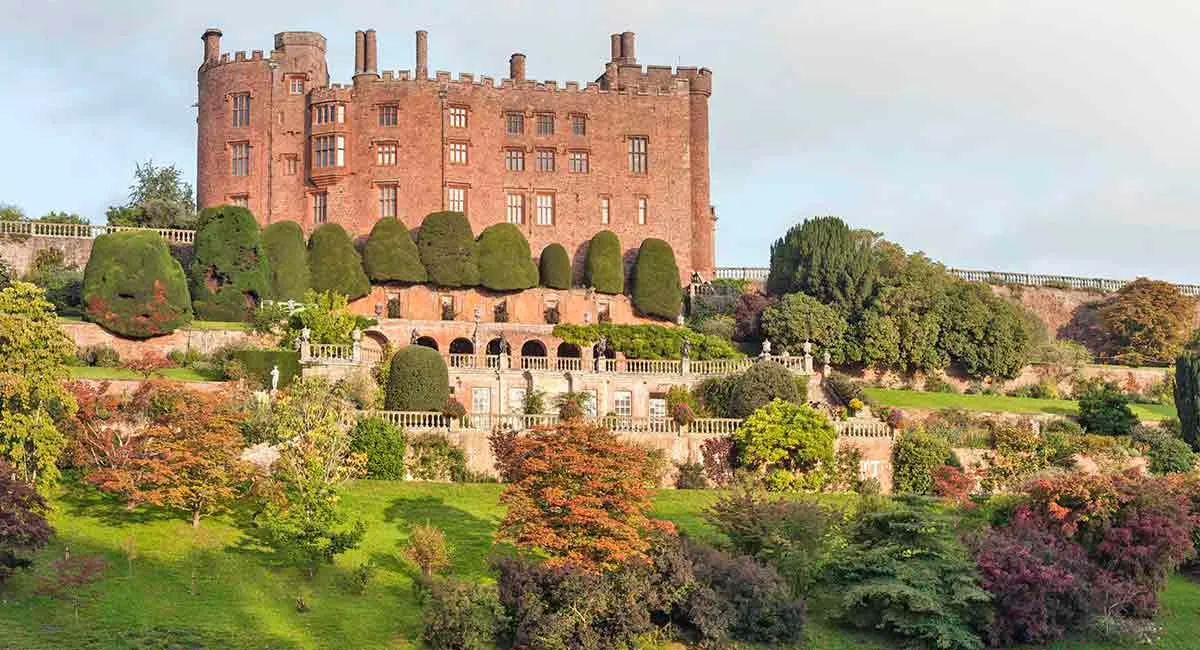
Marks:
<point>685,349</point>
<point>808,347</point>
<point>766,351</point>
<point>825,358</point>
<point>412,337</point>
<point>356,335</point>
<point>275,378</point>
<point>305,334</point>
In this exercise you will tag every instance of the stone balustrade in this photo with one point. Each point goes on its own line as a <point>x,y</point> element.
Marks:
<point>87,230</point>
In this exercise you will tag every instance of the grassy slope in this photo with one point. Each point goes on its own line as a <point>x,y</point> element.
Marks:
<point>998,403</point>
<point>243,600</point>
<point>91,372</point>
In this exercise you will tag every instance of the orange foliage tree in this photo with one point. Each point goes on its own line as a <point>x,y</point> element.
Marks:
<point>580,494</point>
<point>1146,321</point>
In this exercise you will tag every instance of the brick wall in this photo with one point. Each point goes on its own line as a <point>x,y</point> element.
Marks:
<point>20,251</point>
<point>204,341</point>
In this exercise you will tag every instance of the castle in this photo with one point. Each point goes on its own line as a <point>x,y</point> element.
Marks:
<point>628,152</point>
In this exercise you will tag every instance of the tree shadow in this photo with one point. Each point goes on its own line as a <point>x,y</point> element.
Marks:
<point>82,500</point>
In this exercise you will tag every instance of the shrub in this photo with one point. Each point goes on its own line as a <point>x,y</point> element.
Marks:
<point>796,318</point>
<point>229,274</point>
<point>554,267</point>
<point>432,457</point>
<point>718,455</point>
<point>648,341</point>
<point>789,438</point>
<point>719,326</point>
<point>418,380</point>
<point>843,388</point>
<point>390,254</point>
<point>938,384</point>
<point>505,263</point>
<point>747,316</point>
<point>656,290</point>
<point>23,525</point>
<point>461,616</point>
<point>1103,408</point>
<point>758,385</point>
<point>953,484</point>
<point>334,263</point>
<point>1187,396</point>
<point>133,287</point>
<point>447,250</point>
<point>1170,455</point>
<point>1020,453</point>
<point>287,260</point>
<point>427,549</point>
<point>63,284</point>
<point>915,456</point>
<point>383,445</point>
<point>690,477</point>
<point>257,366</point>
<point>100,356</point>
<point>603,267</point>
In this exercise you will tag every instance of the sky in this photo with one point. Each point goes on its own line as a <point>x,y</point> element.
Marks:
<point>1019,135</point>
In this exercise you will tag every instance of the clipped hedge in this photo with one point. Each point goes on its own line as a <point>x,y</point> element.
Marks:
<point>447,250</point>
<point>133,287</point>
<point>505,263</point>
<point>391,254</point>
<point>287,260</point>
<point>648,341</point>
<point>418,380</point>
<point>334,264</point>
<point>383,444</point>
<point>554,267</point>
<point>257,365</point>
<point>603,268</point>
<point>229,274</point>
<point>656,290</point>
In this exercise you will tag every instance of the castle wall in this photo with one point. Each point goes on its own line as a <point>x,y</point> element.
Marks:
<point>423,302</point>
<point>20,251</point>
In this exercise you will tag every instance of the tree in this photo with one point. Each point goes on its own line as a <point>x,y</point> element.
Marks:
<point>62,217</point>
<point>10,212</point>
<point>984,334</point>
<point>229,273</point>
<point>1147,321</point>
<point>505,263</point>
<point>797,318</point>
<point>133,287</point>
<point>580,495</point>
<point>902,329</point>
<point>390,254</point>
<point>334,264</point>
<point>822,258</point>
<point>34,352</point>
<point>656,290</point>
<point>758,385</point>
<point>793,443</point>
<point>747,315</point>
<point>158,198</point>
<point>603,267</point>
<point>1187,396</point>
<point>287,260</point>
<point>383,444</point>
<point>916,454</point>
<point>418,380</point>
<point>447,250</point>
<point>23,525</point>
<point>554,267</point>
<point>1104,409</point>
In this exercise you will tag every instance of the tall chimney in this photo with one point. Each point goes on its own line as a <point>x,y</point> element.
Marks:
<point>370,54</point>
<point>616,47</point>
<point>422,54</point>
<point>212,44</point>
<point>360,41</point>
<point>627,52</point>
<point>516,67</point>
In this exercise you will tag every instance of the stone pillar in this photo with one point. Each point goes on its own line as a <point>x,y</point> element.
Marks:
<point>356,346</point>
<point>305,346</point>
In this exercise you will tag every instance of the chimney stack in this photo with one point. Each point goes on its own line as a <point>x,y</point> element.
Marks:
<point>370,54</point>
<point>627,52</point>
<point>422,54</point>
<point>516,67</point>
<point>616,47</point>
<point>212,44</point>
<point>360,41</point>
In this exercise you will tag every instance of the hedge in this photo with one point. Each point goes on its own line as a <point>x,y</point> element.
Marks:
<point>229,273</point>
<point>447,250</point>
<point>383,444</point>
<point>554,267</point>
<point>656,290</point>
<point>603,268</point>
<point>648,341</point>
<point>391,254</point>
<point>334,264</point>
<point>504,260</point>
<point>287,260</point>
<point>418,380</point>
<point>133,287</point>
<point>257,365</point>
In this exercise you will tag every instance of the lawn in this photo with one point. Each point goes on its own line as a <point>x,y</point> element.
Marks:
<point>999,403</point>
<point>213,588</point>
<point>180,374</point>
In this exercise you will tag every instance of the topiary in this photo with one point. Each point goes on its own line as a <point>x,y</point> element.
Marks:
<point>229,272</point>
<point>287,260</point>
<point>418,380</point>
<point>391,254</point>
<point>504,260</point>
<point>383,444</point>
<point>447,250</point>
<point>656,290</point>
<point>554,267</point>
<point>603,268</point>
<point>335,264</point>
<point>256,366</point>
<point>758,385</point>
<point>1187,396</point>
<point>133,287</point>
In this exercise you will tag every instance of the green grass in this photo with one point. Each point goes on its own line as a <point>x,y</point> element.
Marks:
<point>180,374</point>
<point>244,599</point>
<point>218,325</point>
<point>999,403</point>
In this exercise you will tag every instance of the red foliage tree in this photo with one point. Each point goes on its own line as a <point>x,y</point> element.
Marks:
<point>953,484</point>
<point>149,364</point>
<point>23,525</point>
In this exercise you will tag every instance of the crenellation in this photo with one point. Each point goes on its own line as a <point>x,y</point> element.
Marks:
<point>403,75</point>
<point>256,55</point>
<point>225,57</point>
<point>442,75</point>
<point>466,77</point>
<point>486,81</point>
<point>387,75</point>
<point>240,55</point>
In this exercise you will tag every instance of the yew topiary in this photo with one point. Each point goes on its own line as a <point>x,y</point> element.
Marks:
<point>603,268</point>
<point>1187,396</point>
<point>229,272</point>
<point>133,287</point>
<point>287,260</point>
<point>447,250</point>
<point>418,380</point>
<point>335,264</point>
<point>554,267</point>
<point>656,290</point>
<point>391,254</point>
<point>505,263</point>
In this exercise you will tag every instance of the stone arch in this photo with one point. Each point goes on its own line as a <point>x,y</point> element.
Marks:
<point>462,345</point>
<point>533,348</point>
<point>569,351</point>
<point>427,341</point>
<point>375,341</point>
<point>493,346</point>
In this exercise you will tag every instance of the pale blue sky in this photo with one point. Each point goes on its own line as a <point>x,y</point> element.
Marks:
<point>1026,135</point>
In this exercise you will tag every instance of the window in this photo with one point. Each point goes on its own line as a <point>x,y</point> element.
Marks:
<point>385,153</point>
<point>623,403</point>
<point>545,124</point>
<point>239,159</point>
<point>545,209</point>
<point>577,162</point>
<point>320,201</point>
<point>456,199</point>
<point>605,203</point>
<point>868,469</point>
<point>291,165</point>
<point>637,155</point>
<point>641,210</point>
<point>329,113</point>
<point>515,208</point>
<point>481,401</point>
<point>516,401</point>
<point>297,86</point>
<point>578,125</point>
<point>387,201</point>
<point>458,153</point>
<point>329,151</point>
<point>241,109</point>
<point>458,117</point>
<point>514,160</point>
<point>545,160</point>
<point>388,115</point>
<point>514,123</point>
<point>240,200</point>
<point>658,407</point>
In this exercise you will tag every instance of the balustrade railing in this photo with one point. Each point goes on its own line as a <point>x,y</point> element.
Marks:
<point>535,363</point>
<point>87,230</point>
<point>741,273</point>
<point>569,363</point>
<point>653,366</point>
<point>719,366</point>
<point>463,360</point>
<point>330,352</point>
<point>416,420</point>
<point>714,426</point>
<point>854,428</point>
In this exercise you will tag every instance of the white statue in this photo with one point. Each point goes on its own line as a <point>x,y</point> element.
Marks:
<point>766,350</point>
<point>275,378</point>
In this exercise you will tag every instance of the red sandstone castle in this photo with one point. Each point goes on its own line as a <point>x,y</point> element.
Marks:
<point>628,152</point>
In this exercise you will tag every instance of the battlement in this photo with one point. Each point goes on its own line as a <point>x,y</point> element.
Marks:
<point>652,80</point>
